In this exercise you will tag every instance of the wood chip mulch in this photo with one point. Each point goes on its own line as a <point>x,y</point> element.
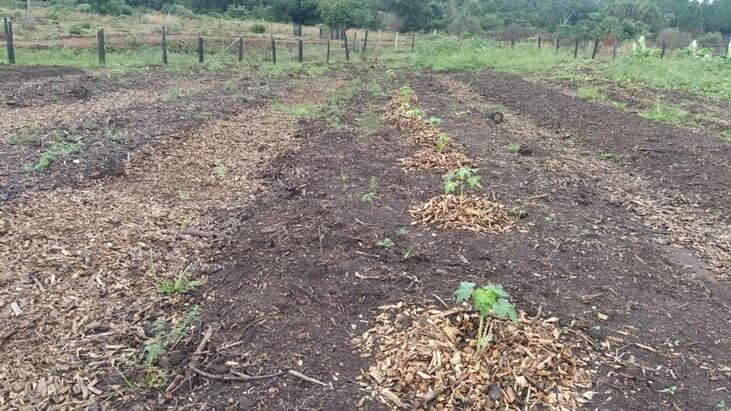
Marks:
<point>400,112</point>
<point>426,358</point>
<point>429,158</point>
<point>477,214</point>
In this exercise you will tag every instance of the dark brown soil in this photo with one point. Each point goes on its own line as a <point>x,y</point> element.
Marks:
<point>204,97</point>
<point>306,275</point>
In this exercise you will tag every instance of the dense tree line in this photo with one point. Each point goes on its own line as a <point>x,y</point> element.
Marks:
<point>582,18</point>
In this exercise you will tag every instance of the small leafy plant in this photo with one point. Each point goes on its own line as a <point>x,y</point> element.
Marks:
<point>222,169</point>
<point>116,136</point>
<point>513,147</point>
<point>155,377</point>
<point>488,299</point>
<point>181,285</point>
<point>371,194</point>
<point>434,121</point>
<point>458,179</point>
<point>442,142</point>
<point>386,243</point>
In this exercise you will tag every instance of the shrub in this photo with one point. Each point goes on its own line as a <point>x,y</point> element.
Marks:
<point>86,25</point>
<point>258,28</point>
<point>177,10</point>
<point>237,12</point>
<point>75,30</point>
<point>712,39</point>
<point>83,8</point>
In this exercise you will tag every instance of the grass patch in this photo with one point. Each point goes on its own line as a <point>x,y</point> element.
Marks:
<point>514,147</point>
<point>299,110</point>
<point>662,112</point>
<point>181,285</point>
<point>24,138</point>
<point>591,93</point>
<point>116,136</point>
<point>726,134</point>
<point>56,149</point>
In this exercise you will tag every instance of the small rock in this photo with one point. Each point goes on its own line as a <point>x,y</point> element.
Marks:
<point>494,391</point>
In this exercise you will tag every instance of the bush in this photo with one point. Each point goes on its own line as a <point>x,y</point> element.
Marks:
<point>712,40</point>
<point>75,30</point>
<point>177,10</point>
<point>464,24</point>
<point>86,25</point>
<point>57,12</point>
<point>258,28</point>
<point>237,12</point>
<point>83,8</point>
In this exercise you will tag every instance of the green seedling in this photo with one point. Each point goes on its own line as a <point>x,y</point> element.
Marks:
<point>402,231</point>
<point>371,194</point>
<point>458,179</point>
<point>726,134</point>
<point>183,194</point>
<point>222,169</point>
<point>386,243</point>
<point>434,121</point>
<point>410,252</point>
<point>513,147</point>
<point>181,285</point>
<point>670,390</point>
<point>489,299</point>
<point>57,148</point>
<point>116,136</point>
<point>185,223</point>
<point>442,142</point>
<point>155,377</point>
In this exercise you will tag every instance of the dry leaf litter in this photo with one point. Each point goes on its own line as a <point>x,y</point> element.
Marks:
<point>426,358</point>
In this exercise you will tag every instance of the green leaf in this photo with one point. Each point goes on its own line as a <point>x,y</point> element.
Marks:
<point>472,181</point>
<point>484,299</point>
<point>464,291</point>
<point>449,187</point>
<point>463,173</point>
<point>503,308</point>
<point>497,289</point>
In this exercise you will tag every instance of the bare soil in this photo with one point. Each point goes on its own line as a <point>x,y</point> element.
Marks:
<point>623,237</point>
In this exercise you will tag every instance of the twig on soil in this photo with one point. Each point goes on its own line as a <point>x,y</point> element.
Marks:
<point>306,378</point>
<point>441,301</point>
<point>198,233</point>
<point>237,378</point>
<point>368,255</point>
<point>204,341</point>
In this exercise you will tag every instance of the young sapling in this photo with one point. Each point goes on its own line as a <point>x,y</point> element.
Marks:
<point>488,299</point>
<point>458,179</point>
<point>371,194</point>
<point>442,142</point>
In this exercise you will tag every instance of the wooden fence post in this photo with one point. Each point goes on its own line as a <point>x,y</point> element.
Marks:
<point>614,49</point>
<point>328,51</point>
<point>413,41</point>
<point>9,41</point>
<point>274,50</point>
<point>397,42</point>
<point>576,49</point>
<point>365,42</point>
<point>100,44</point>
<point>200,49</point>
<point>347,50</point>
<point>355,42</point>
<point>596,47</point>
<point>300,55</point>
<point>241,48</point>
<point>539,41</point>
<point>512,41</point>
<point>662,54</point>
<point>558,43</point>
<point>164,47</point>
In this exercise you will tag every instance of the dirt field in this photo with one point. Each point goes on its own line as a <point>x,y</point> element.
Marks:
<point>621,232</point>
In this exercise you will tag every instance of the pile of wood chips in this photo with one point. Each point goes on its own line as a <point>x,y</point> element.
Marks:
<point>471,213</point>
<point>429,158</point>
<point>424,358</point>
<point>400,112</point>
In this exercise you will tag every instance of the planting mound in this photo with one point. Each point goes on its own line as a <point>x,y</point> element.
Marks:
<point>446,160</point>
<point>464,212</point>
<point>402,110</point>
<point>424,357</point>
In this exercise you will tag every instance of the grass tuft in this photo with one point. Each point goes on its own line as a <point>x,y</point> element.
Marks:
<point>591,94</point>
<point>660,111</point>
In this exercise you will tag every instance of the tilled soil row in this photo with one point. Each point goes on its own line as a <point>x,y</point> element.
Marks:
<point>310,273</point>
<point>81,267</point>
<point>136,118</point>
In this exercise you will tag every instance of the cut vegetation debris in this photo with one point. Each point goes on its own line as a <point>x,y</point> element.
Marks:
<point>425,357</point>
<point>463,212</point>
<point>433,159</point>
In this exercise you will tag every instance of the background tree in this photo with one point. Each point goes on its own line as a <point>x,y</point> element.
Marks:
<point>297,12</point>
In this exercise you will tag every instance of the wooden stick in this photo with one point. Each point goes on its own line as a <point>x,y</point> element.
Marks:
<point>164,47</point>
<point>306,378</point>
<point>204,341</point>
<point>237,378</point>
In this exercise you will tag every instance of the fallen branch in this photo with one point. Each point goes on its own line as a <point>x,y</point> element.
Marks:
<point>204,341</point>
<point>306,378</point>
<point>237,378</point>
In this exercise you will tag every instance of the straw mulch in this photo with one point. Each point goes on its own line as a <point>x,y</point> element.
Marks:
<point>429,158</point>
<point>477,214</point>
<point>404,113</point>
<point>426,358</point>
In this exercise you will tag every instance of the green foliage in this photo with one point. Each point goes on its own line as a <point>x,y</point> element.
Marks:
<point>155,377</point>
<point>486,300</point>
<point>258,28</point>
<point>663,112</point>
<point>726,134</point>
<point>116,136</point>
<point>58,148</point>
<point>345,13</point>
<point>24,138</point>
<point>514,147</point>
<point>180,285</point>
<point>442,142</point>
<point>458,179</point>
<point>435,121</point>
<point>296,11</point>
<point>300,110</point>
<point>222,170</point>
<point>371,194</point>
<point>402,231</point>
<point>591,93</point>
<point>386,243</point>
